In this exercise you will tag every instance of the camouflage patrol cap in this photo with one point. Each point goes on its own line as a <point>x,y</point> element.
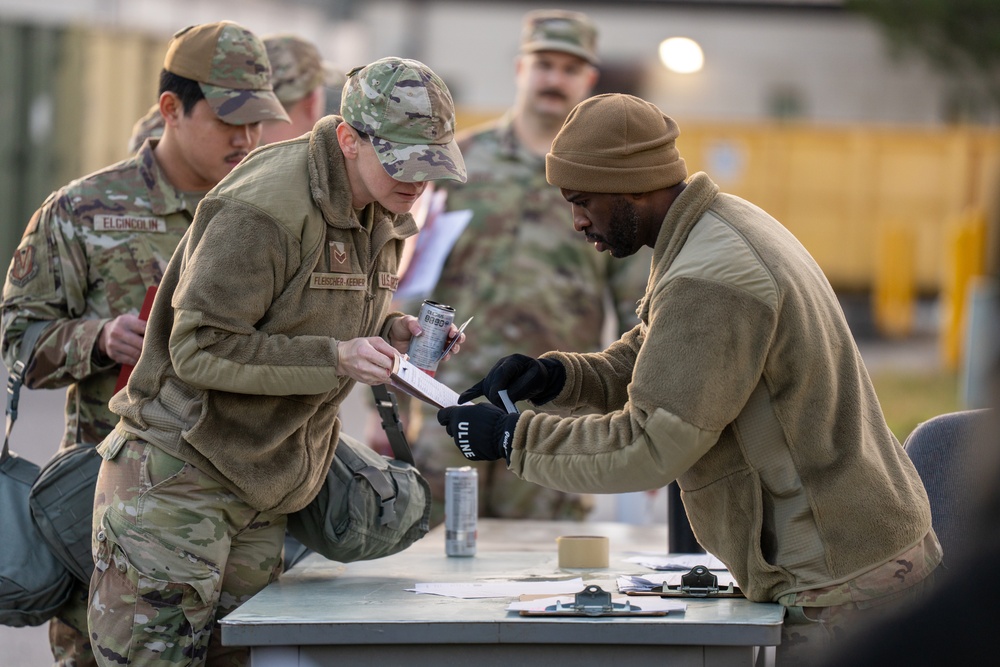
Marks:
<point>558,30</point>
<point>408,112</point>
<point>297,68</point>
<point>230,65</point>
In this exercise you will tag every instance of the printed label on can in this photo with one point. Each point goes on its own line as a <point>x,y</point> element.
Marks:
<point>461,510</point>
<point>425,350</point>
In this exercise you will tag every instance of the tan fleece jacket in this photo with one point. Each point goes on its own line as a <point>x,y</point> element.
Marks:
<point>743,382</point>
<point>237,374</point>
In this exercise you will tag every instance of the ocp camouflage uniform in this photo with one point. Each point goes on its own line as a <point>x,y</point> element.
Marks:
<point>533,285</point>
<point>174,595</point>
<point>819,620</point>
<point>87,256</point>
<point>230,419</point>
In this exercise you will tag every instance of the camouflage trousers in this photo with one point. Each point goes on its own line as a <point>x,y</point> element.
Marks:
<point>175,551</point>
<point>811,634</point>
<point>68,636</point>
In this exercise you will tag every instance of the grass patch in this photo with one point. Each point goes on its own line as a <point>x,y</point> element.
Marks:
<point>911,397</point>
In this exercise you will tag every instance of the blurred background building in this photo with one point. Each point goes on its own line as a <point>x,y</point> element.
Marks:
<point>885,165</point>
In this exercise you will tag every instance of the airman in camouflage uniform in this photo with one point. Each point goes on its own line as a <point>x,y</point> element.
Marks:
<point>301,80</point>
<point>519,267</point>
<point>275,303</point>
<point>95,246</point>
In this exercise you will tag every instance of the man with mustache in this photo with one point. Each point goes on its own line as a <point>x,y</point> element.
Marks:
<point>91,251</point>
<point>742,381</point>
<point>518,267</point>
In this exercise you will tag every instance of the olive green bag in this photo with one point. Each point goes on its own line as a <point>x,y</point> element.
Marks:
<point>62,506</point>
<point>369,506</point>
<point>33,582</point>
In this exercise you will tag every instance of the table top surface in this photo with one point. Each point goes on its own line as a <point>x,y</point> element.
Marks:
<point>325,602</point>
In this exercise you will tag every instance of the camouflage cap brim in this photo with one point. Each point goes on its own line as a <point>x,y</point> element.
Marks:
<point>242,107</point>
<point>563,47</point>
<point>415,163</point>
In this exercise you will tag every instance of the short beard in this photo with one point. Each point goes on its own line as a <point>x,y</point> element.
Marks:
<point>623,233</point>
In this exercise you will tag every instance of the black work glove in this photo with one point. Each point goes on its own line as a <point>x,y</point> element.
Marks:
<point>481,431</point>
<point>523,377</point>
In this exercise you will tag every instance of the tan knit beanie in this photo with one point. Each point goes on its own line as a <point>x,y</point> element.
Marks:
<point>618,144</point>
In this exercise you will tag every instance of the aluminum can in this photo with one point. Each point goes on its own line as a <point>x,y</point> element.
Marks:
<point>461,510</point>
<point>425,350</point>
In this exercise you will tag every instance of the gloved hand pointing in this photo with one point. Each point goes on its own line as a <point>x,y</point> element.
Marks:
<point>523,377</point>
<point>481,431</point>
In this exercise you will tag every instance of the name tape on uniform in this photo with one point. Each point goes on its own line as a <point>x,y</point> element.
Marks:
<point>129,223</point>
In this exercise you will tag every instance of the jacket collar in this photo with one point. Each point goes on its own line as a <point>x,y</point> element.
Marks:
<point>681,217</point>
<point>164,198</point>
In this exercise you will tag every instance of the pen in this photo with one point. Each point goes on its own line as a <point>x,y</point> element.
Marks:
<point>455,339</point>
<point>509,404</point>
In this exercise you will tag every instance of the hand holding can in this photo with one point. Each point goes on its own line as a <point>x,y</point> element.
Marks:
<point>426,350</point>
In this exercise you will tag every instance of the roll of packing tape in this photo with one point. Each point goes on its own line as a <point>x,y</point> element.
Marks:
<point>582,551</point>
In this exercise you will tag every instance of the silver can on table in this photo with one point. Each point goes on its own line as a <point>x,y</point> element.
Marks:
<point>461,510</point>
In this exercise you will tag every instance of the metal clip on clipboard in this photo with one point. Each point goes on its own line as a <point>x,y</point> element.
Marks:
<point>594,601</point>
<point>698,582</point>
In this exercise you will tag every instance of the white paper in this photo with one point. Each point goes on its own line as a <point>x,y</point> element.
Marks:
<point>678,562</point>
<point>415,382</point>
<point>434,242</point>
<point>500,589</point>
<point>643,604</point>
<point>429,204</point>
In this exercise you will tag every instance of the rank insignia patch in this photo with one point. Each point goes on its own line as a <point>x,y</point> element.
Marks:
<point>340,257</point>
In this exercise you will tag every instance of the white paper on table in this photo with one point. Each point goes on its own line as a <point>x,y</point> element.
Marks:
<point>500,589</point>
<point>644,604</point>
<point>434,243</point>
<point>678,562</point>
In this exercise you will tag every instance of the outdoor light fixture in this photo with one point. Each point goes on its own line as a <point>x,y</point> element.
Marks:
<point>681,55</point>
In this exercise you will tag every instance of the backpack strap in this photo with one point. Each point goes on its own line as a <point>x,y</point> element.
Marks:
<point>385,402</point>
<point>16,378</point>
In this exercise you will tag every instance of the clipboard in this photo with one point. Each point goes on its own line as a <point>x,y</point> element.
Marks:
<point>698,582</point>
<point>594,601</point>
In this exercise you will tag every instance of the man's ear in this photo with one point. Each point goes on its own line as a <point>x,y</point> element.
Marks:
<point>348,140</point>
<point>171,108</point>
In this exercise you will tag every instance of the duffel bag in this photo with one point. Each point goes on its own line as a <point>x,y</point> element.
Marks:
<point>369,506</point>
<point>33,582</point>
<point>62,506</point>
